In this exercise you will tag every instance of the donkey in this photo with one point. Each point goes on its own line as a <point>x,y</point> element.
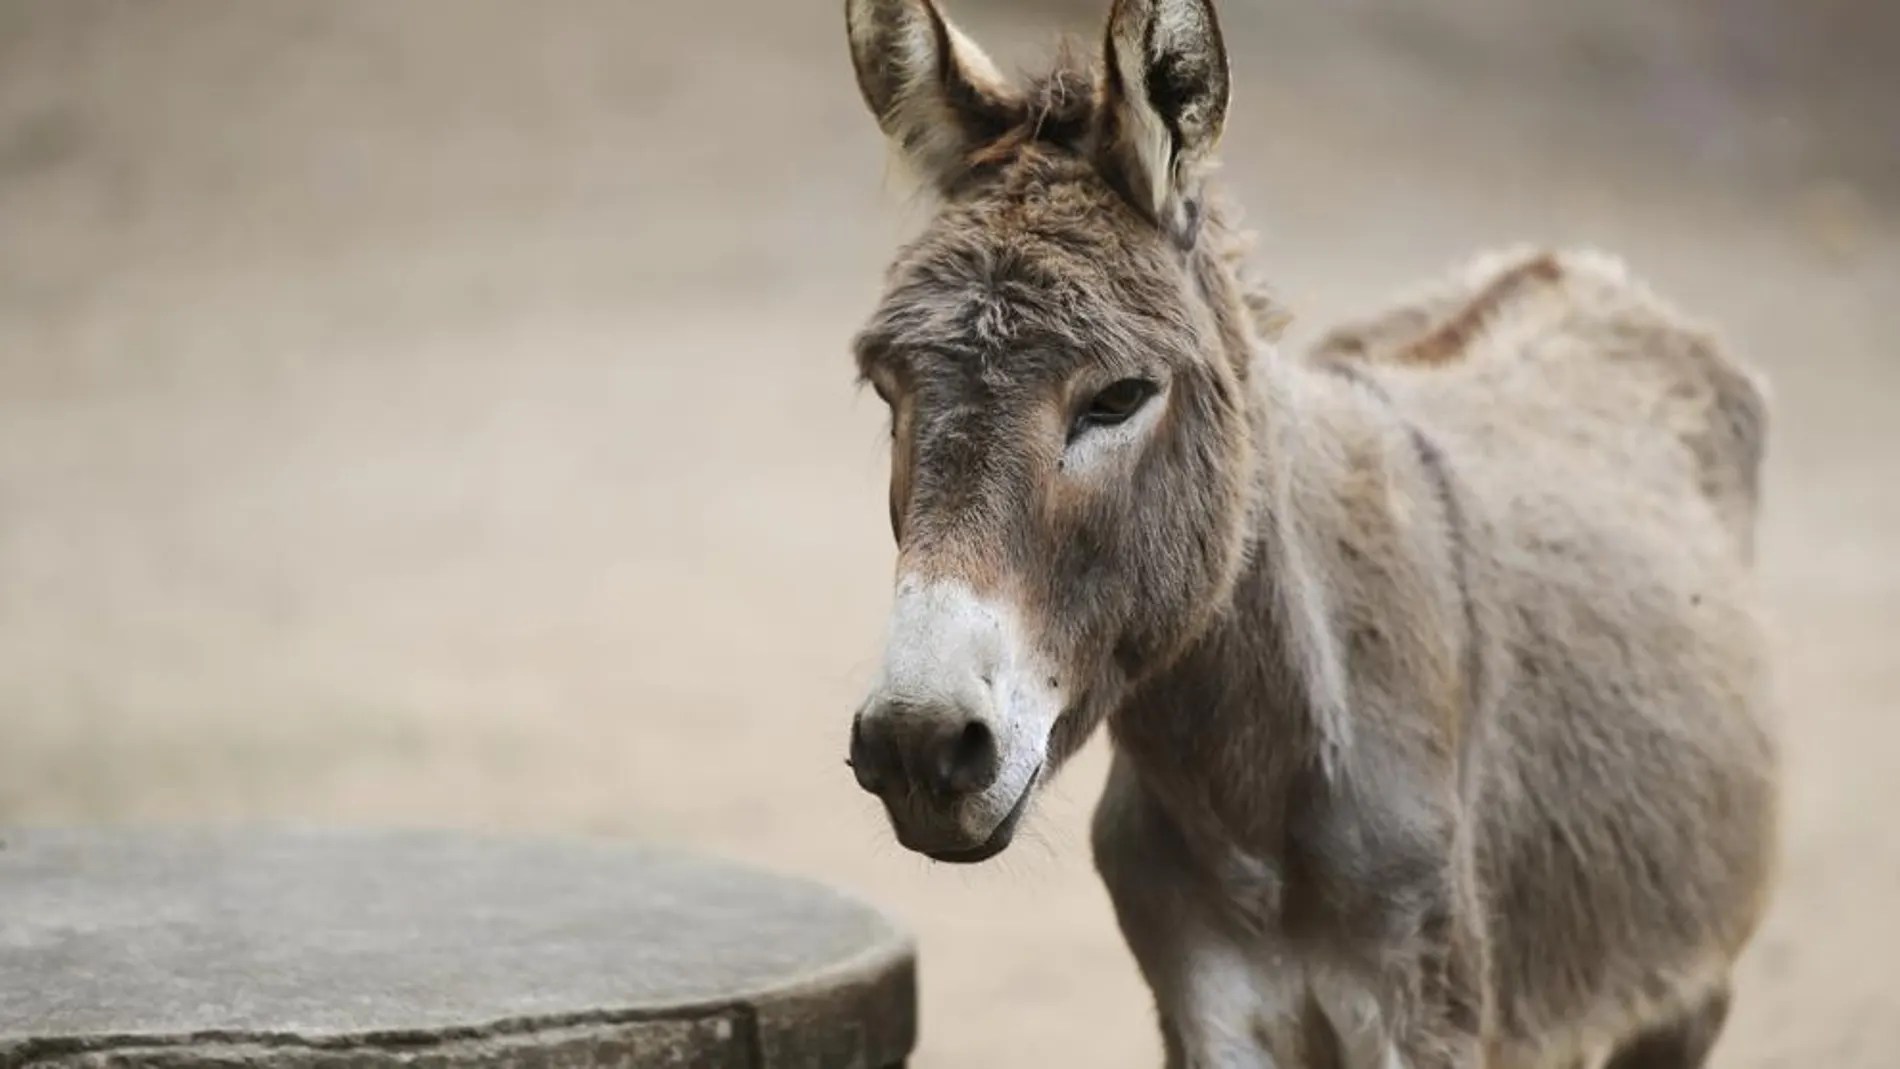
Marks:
<point>1430,660</point>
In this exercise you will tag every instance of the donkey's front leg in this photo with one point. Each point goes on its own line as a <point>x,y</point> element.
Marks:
<point>1220,995</point>
<point>1381,876</point>
<point>1425,1010</point>
<point>1410,1005</point>
<point>1444,1028</point>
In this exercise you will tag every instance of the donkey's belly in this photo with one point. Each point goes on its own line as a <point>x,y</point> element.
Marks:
<point>1627,822</point>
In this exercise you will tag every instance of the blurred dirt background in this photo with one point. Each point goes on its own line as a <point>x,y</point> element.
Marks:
<point>439,413</point>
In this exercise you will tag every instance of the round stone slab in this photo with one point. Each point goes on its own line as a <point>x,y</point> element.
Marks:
<point>320,949</point>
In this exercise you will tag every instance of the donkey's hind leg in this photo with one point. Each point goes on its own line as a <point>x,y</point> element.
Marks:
<point>1683,1043</point>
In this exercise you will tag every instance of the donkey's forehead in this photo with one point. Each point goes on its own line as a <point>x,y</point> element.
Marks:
<point>1052,269</point>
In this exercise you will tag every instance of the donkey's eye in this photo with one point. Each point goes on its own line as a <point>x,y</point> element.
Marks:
<point>1114,404</point>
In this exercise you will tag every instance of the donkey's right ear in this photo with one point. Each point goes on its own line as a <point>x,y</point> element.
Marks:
<point>933,90</point>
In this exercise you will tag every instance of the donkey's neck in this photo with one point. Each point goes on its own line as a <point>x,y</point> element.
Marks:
<point>1254,709</point>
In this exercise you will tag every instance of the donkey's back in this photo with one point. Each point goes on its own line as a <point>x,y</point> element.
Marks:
<point>1609,455</point>
<point>1565,366</point>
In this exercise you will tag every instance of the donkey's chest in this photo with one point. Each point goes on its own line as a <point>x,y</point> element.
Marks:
<point>1254,991</point>
<point>1239,979</point>
<point>1261,1004</point>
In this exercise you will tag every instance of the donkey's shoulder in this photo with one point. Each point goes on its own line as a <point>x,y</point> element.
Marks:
<point>1570,339</point>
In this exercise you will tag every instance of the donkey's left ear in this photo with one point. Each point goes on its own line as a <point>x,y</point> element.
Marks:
<point>1164,100</point>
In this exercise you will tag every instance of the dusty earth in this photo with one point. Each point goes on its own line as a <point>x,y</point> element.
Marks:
<point>438,414</point>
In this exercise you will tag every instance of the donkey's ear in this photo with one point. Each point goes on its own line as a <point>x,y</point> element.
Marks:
<point>1164,98</point>
<point>932,89</point>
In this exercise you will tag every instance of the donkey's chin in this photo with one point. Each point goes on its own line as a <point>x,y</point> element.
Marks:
<point>998,840</point>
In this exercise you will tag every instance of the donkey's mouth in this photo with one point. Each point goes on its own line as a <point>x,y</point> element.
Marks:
<point>999,839</point>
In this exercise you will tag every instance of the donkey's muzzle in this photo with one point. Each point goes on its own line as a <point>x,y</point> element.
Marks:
<point>956,723</point>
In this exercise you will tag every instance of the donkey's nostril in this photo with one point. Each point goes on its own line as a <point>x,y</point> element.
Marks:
<point>863,763</point>
<point>966,762</point>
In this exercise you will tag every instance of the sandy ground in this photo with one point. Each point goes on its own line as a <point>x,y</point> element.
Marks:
<point>439,414</point>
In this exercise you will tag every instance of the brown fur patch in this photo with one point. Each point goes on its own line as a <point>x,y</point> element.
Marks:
<point>1451,339</point>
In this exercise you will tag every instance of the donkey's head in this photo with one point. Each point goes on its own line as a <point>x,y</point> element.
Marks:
<point>1064,353</point>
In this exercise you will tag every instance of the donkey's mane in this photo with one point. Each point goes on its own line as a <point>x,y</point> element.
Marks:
<point>1055,108</point>
<point>1050,123</point>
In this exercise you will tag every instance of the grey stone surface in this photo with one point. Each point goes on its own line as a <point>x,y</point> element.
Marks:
<point>356,949</point>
